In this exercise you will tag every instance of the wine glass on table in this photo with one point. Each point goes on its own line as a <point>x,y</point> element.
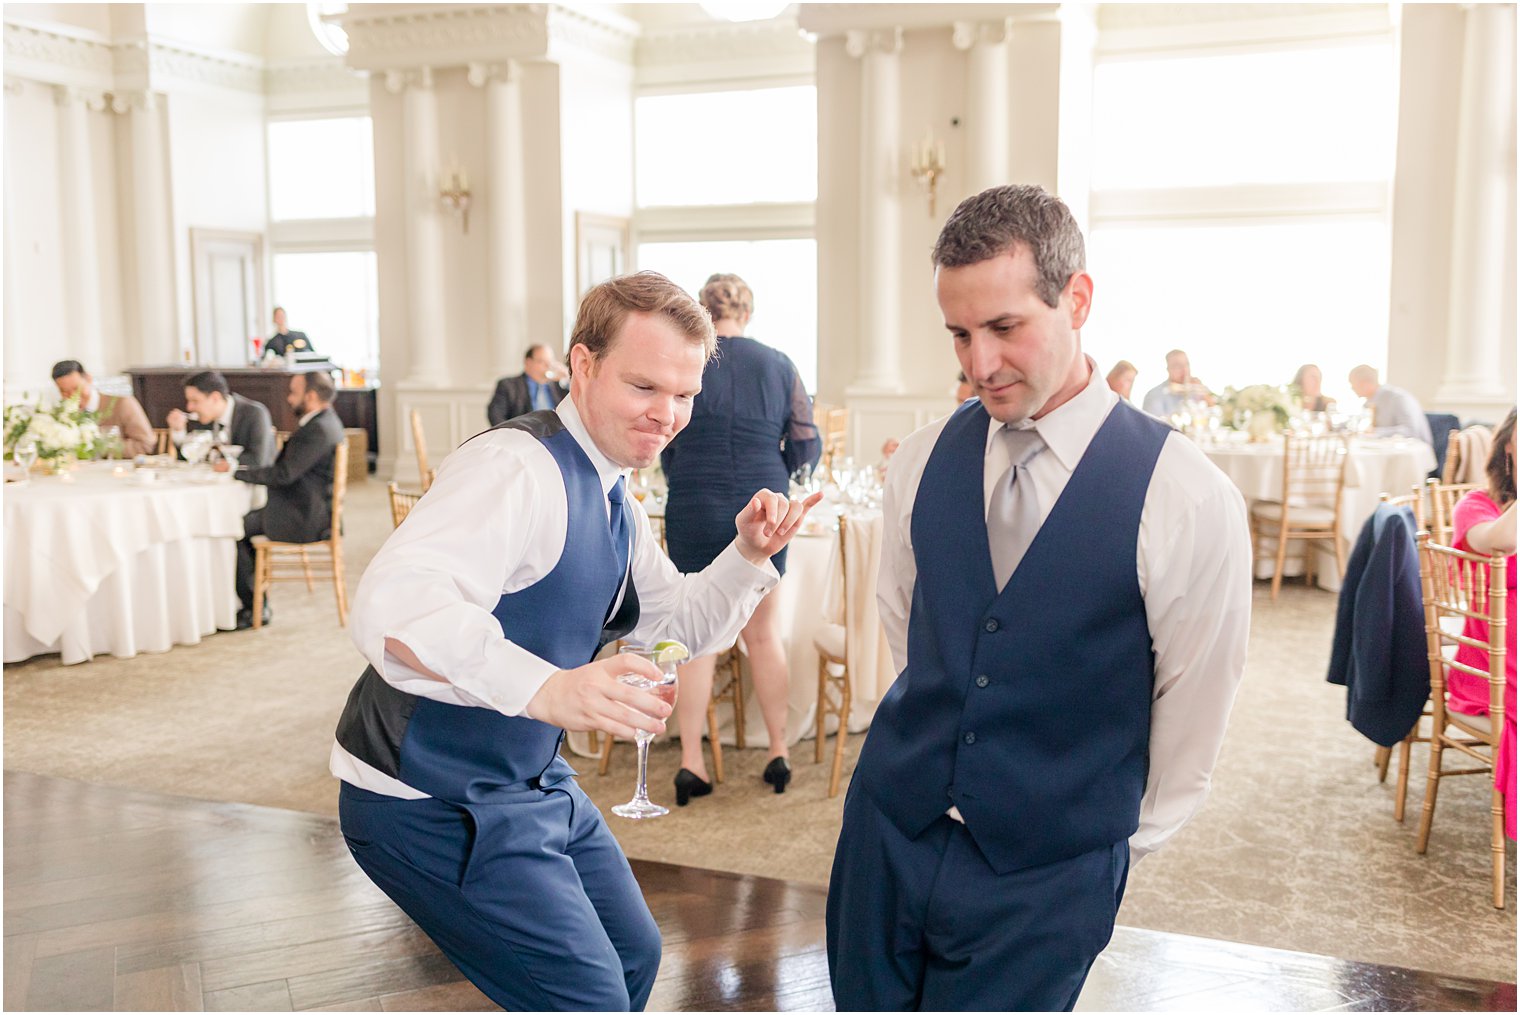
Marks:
<point>25,455</point>
<point>665,655</point>
<point>197,446</point>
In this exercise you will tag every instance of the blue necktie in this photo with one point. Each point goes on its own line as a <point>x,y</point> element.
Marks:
<point>618,522</point>
<point>541,399</point>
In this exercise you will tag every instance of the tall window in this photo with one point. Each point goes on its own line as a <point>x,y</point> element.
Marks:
<point>322,213</point>
<point>712,197</point>
<point>1240,210</point>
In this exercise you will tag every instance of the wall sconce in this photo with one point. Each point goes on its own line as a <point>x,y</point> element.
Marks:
<point>455,195</point>
<point>928,165</point>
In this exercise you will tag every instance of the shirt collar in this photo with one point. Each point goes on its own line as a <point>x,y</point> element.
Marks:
<point>607,470</point>
<point>226,417</point>
<point>92,404</point>
<point>313,414</point>
<point>1070,427</point>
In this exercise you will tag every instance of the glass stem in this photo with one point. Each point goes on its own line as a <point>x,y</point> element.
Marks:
<point>643,793</point>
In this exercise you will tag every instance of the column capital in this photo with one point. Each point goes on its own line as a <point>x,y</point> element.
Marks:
<point>125,102</point>
<point>965,34</point>
<point>93,99</point>
<point>398,81</point>
<point>502,72</point>
<point>860,41</point>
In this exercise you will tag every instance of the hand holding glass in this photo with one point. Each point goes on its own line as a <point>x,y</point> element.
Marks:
<point>640,806</point>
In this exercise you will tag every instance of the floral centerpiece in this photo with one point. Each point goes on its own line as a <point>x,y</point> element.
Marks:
<point>1259,409</point>
<point>60,432</point>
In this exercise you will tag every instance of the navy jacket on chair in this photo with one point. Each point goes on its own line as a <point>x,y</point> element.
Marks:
<point>1379,650</point>
<point>1441,426</point>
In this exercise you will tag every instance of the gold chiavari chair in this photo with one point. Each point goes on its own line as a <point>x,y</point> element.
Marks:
<point>162,444</point>
<point>1466,586</point>
<point>1453,463</point>
<point>1314,480</point>
<point>273,561</point>
<point>834,428</point>
<point>1443,499</point>
<point>419,442</point>
<point>832,643</point>
<point>1415,501</point>
<point>402,502</point>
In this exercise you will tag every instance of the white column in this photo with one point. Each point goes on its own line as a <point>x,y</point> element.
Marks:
<point>881,160</point>
<point>986,102</point>
<point>152,225</point>
<point>15,362</point>
<point>506,211</point>
<point>1485,169</point>
<point>86,339</point>
<point>426,340</point>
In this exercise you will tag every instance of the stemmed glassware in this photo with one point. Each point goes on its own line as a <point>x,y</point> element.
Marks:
<point>197,446</point>
<point>25,454</point>
<point>641,806</point>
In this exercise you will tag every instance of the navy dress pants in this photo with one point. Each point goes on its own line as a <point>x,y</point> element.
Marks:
<point>926,925</point>
<point>532,899</point>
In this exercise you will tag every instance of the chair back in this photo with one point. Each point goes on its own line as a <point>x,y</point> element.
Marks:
<point>161,444</point>
<point>1443,499</point>
<point>1452,463</point>
<point>419,442</point>
<point>1314,470</point>
<point>340,486</point>
<point>834,428</point>
<point>1465,586</point>
<point>1414,500</point>
<point>402,502</point>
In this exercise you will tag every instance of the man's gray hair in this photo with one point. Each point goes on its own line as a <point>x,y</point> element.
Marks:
<point>998,220</point>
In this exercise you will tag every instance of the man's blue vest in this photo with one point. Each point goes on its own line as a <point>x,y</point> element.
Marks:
<point>466,754</point>
<point>1029,709</point>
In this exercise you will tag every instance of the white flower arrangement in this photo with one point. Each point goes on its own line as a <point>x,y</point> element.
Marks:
<point>64,430</point>
<point>1258,400</point>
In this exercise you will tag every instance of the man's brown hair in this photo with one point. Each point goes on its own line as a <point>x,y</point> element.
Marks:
<point>606,306</point>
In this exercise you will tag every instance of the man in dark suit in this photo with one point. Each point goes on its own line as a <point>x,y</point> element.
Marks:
<point>300,482</point>
<point>537,387</point>
<point>232,419</point>
<point>284,339</point>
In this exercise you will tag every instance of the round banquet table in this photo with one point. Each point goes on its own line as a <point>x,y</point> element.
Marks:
<point>97,562</point>
<point>1374,465</point>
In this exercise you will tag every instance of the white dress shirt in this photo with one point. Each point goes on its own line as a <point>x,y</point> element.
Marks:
<point>1193,559</point>
<point>494,522</point>
<point>223,422</point>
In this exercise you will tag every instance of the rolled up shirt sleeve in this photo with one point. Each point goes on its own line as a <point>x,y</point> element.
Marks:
<point>487,525</point>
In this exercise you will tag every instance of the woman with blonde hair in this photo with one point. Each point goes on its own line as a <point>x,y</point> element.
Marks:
<point>751,427</point>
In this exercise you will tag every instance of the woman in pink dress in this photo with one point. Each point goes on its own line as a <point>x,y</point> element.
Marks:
<point>1484,522</point>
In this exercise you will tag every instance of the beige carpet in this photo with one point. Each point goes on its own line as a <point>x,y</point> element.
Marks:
<point>1296,847</point>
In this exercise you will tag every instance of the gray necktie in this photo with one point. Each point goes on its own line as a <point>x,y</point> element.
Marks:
<point>1013,518</point>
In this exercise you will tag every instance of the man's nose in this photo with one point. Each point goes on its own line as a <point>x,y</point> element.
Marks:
<point>986,357</point>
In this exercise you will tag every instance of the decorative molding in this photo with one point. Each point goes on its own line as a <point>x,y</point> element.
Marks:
<point>57,55</point>
<point>444,35</point>
<point>92,99</point>
<point>481,74</point>
<point>1122,16</point>
<point>124,101</point>
<point>201,67</point>
<point>859,41</point>
<point>778,39</point>
<point>589,31</point>
<point>398,81</point>
<point>965,34</point>
<point>306,77</point>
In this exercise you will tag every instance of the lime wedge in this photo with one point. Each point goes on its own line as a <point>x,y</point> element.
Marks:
<point>670,652</point>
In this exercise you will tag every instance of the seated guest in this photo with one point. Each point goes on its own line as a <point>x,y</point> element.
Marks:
<point>300,482</point>
<point>1179,388</point>
<point>537,387</point>
<point>1395,412</point>
<point>1121,379</point>
<point>232,419</point>
<point>121,411</point>
<point>284,340</point>
<point>1307,383</point>
<point>1484,522</point>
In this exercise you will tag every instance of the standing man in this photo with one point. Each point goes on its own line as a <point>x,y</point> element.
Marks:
<point>1179,387</point>
<point>121,411</point>
<point>284,339</point>
<point>300,482</point>
<point>537,387</point>
<point>1395,412</point>
<point>1065,584</point>
<point>232,419</point>
<point>480,618</point>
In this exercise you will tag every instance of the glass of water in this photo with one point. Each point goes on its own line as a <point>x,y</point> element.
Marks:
<point>640,806</point>
<point>25,454</point>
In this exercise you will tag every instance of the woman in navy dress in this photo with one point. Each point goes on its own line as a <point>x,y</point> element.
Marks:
<point>751,428</point>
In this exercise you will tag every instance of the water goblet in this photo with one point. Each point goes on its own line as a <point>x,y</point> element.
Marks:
<point>25,454</point>
<point>641,806</point>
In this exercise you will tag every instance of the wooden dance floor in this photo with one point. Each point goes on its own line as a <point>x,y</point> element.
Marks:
<point>124,900</point>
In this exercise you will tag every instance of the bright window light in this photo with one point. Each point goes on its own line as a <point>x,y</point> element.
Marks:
<point>333,298</point>
<point>1304,115</point>
<point>783,274</point>
<point>743,147</point>
<point>1249,304</point>
<point>321,169</point>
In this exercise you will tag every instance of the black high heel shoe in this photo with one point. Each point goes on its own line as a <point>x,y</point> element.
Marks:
<point>688,785</point>
<point>778,773</point>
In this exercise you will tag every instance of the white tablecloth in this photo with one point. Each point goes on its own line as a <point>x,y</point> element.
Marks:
<point>95,562</point>
<point>1374,466</point>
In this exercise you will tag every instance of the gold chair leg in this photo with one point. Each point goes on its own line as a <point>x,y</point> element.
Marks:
<point>1432,785</point>
<point>260,583</point>
<point>822,710</point>
<point>1402,792</point>
<point>601,768</point>
<point>1380,760</point>
<point>339,586</point>
<point>593,741</point>
<point>839,738</point>
<point>306,568</point>
<point>1340,554</point>
<point>713,740</point>
<point>1282,554</point>
<point>1497,847</point>
<point>738,666</point>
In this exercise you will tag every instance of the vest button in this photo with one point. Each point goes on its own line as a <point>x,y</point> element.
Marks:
<point>982,681</point>
<point>970,738</point>
<point>991,625</point>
